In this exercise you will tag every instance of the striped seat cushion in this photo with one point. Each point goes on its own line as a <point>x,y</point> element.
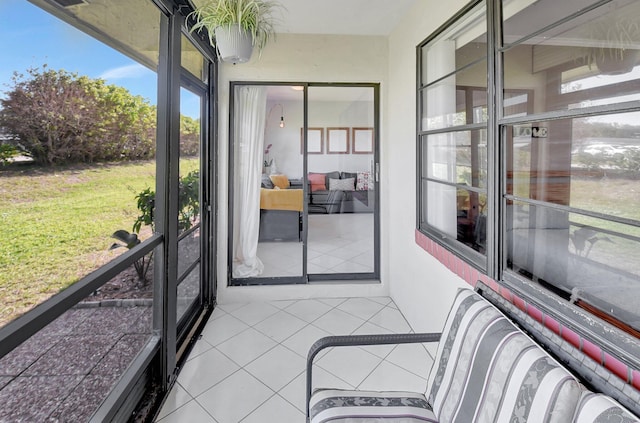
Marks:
<point>487,370</point>
<point>599,408</point>
<point>342,406</point>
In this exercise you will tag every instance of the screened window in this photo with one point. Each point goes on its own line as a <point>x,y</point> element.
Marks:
<point>566,170</point>
<point>572,176</point>
<point>453,134</point>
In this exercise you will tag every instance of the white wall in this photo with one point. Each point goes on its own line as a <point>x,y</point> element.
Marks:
<point>295,58</point>
<point>286,142</point>
<point>420,285</point>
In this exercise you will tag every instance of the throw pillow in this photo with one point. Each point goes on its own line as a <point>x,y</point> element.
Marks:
<point>266,181</point>
<point>341,184</point>
<point>317,181</point>
<point>281,181</point>
<point>363,181</point>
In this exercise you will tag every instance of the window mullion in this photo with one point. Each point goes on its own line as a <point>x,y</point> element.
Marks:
<point>494,153</point>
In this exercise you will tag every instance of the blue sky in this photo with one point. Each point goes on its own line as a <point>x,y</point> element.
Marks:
<point>30,37</point>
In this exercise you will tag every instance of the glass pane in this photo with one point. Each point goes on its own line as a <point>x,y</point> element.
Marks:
<point>341,198</point>
<point>268,198</point>
<point>588,163</point>
<point>589,61</point>
<point>189,243</point>
<point>66,370</point>
<point>65,204</point>
<point>471,218</point>
<point>457,157</point>
<point>524,17</point>
<point>192,60</point>
<point>188,291</point>
<point>188,251</point>
<point>190,124</point>
<point>458,46</point>
<point>459,213</point>
<point>457,100</point>
<point>591,259</point>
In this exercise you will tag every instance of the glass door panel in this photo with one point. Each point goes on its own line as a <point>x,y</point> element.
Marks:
<point>341,191</point>
<point>268,195</point>
<point>189,242</point>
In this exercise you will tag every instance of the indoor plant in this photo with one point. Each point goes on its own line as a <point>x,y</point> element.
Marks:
<point>236,26</point>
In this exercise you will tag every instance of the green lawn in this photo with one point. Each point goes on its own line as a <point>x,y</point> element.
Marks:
<point>56,225</point>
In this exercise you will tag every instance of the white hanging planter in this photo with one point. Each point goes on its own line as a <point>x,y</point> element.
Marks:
<point>234,45</point>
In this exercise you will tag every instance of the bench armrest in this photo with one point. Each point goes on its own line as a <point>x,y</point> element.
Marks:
<point>358,340</point>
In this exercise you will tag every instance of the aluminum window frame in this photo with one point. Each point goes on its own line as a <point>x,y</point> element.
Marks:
<point>164,351</point>
<point>621,344</point>
<point>477,259</point>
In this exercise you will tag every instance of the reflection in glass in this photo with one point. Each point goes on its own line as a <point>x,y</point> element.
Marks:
<point>457,157</point>
<point>467,88</point>
<point>590,163</point>
<point>588,61</point>
<point>66,370</point>
<point>582,256</point>
<point>459,46</point>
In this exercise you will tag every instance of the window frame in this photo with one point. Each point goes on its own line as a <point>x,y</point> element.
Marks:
<point>164,352</point>
<point>495,265</point>
<point>477,259</point>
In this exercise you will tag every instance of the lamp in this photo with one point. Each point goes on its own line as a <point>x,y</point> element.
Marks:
<point>281,113</point>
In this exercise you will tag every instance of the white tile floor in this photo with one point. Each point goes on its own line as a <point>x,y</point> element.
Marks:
<point>249,366</point>
<point>337,243</point>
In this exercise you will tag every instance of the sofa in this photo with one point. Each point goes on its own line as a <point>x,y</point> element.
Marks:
<point>340,192</point>
<point>486,370</point>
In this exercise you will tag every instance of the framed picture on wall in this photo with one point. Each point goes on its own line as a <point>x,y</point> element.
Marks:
<point>362,140</point>
<point>315,140</point>
<point>337,140</point>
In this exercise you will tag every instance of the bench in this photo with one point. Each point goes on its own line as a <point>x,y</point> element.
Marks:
<point>486,370</point>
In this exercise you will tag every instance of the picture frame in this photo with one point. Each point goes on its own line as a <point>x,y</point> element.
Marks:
<point>315,141</point>
<point>338,140</point>
<point>362,141</point>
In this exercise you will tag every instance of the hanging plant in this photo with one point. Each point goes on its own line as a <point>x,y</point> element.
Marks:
<point>236,26</point>
<point>614,41</point>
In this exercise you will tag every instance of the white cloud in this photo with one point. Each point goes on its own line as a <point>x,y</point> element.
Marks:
<point>129,71</point>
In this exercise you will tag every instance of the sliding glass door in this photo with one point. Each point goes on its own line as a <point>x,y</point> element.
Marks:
<point>342,187</point>
<point>303,183</point>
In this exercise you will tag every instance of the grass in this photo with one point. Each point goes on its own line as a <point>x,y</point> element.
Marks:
<point>57,225</point>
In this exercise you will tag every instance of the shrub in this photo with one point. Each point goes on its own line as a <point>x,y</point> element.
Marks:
<point>7,152</point>
<point>60,117</point>
<point>189,136</point>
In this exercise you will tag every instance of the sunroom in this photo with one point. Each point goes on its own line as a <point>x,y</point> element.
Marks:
<point>373,159</point>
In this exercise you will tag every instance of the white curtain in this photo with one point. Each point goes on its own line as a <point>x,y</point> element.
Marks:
<point>250,111</point>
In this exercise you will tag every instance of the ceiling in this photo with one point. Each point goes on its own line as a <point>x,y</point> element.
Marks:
<point>355,17</point>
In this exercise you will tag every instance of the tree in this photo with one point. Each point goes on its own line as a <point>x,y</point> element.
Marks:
<point>189,136</point>
<point>60,117</point>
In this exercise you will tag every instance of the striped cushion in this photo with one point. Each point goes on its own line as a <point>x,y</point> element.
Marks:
<point>486,370</point>
<point>599,408</point>
<point>341,406</point>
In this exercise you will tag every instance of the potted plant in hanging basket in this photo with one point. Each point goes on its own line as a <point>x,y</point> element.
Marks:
<point>235,27</point>
<point>615,40</point>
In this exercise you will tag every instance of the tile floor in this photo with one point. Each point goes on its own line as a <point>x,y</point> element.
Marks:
<point>249,365</point>
<point>337,243</point>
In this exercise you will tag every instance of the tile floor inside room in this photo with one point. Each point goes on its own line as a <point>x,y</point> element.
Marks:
<point>336,243</point>
<point>249,365</point>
